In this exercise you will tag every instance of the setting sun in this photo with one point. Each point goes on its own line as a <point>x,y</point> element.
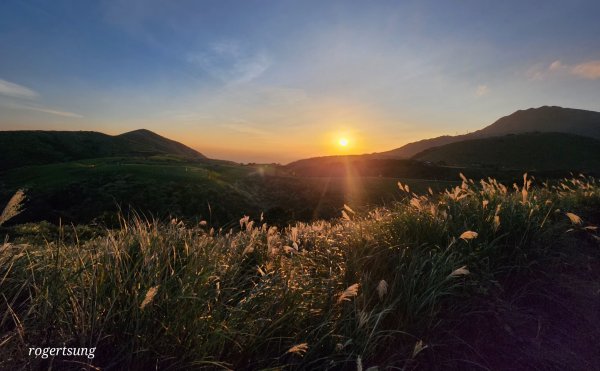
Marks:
<point>343,142</point>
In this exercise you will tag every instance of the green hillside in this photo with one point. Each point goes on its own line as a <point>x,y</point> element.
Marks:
<point>533,151</point>
<point>221,192</point>
<point>94,189</point>
<point>22,148</point>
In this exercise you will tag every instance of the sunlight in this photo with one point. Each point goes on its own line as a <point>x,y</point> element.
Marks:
<point>343,142</point>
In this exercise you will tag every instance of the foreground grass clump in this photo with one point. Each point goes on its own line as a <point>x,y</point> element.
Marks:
<point>364,291</point>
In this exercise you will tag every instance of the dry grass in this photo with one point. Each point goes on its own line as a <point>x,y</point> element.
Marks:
<point>364,290</point>
<point>13,207</point>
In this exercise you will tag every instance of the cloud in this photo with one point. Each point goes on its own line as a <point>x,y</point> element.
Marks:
<point>42,109</point>
<point>16,91</point>
<point>231,63</point>
<point>246,127</point>
<point>587,70</point>
<point>482,90</point>
<point>13,90</point>
<point>556,66</point>
<point>53,112</point>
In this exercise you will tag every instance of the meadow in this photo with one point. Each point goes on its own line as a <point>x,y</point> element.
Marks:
<point>371,288</point>
<point>93,191</point>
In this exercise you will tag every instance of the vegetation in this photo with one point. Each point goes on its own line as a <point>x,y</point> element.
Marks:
<point>91,191</point>
<point>87,177</point>
<point>144,258</point>
<point>367,290</point>
<point>22,148</point>
<point>521,151</point>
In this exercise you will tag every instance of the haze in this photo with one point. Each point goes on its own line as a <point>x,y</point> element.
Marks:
<point>275,81</point>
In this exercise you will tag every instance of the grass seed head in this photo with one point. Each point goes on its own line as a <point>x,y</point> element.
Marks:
<point>382,289</point>
<point>576,220</point>
<point>350,292</point>
<point>298,349</point>
<point>419,347</point>
<point>468,235</point>
<point>13,207</point>
<point>462,271</point>
<point>149,296</point>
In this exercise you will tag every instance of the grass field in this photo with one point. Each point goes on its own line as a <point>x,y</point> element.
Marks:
<point>82,191</point>
<point>219,192</point>
<point>369,289</point>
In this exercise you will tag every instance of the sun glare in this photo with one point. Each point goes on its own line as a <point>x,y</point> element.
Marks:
<point>343,142</point>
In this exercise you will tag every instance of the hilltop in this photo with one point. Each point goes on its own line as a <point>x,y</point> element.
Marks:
<point>543,119</point>
<point>36,147</point>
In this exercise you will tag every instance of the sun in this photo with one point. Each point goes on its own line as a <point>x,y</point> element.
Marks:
<point>343,142</point>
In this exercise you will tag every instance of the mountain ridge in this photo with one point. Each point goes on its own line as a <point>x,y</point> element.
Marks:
<point>543,119</point>
<point>527,151</point>
<point>36,147</point>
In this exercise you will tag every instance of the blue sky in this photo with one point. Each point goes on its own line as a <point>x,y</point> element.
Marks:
<point>281,80</point>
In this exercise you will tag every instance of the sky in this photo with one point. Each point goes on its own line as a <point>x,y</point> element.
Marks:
<point>276,81</point>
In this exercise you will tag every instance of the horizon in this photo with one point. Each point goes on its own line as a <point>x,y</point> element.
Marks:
<point>281,81</point>
<point>242,161</point>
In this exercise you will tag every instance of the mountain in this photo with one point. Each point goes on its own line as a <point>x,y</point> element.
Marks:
<point>530,151</point>
<point>542,119</point>
<point>143,140</point>
<point>22,148</point>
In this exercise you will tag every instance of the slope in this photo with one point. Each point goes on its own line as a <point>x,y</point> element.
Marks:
<point>532,151</point>
<point>542,119</point>
<point>22,148</point>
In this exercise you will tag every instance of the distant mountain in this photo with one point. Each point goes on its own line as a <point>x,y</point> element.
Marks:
<point>542,119</point>
<point>22,148</point>
<point>531,151</point>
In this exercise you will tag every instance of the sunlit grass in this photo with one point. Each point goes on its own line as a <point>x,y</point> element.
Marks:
<point>366,289</point>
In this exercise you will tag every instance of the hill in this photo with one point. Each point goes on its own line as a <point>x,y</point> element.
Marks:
<point>438,169</point>
<point>359,166</point>
<point>143,140</point>
<point>22,148</point>
<point>532,151</point>
<point>542,119</point>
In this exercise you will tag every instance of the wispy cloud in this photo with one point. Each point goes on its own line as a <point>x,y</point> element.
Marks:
<point>12,90</point>
<point>542,71</point>
<point>587,70</point>
<point>53,112</point>
<point>15,90</point>
<point>482,90</point>
<point>231,63</point>
<point>246,127</point>
<point>42,109</point>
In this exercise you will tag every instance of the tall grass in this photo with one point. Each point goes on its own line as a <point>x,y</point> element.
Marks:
<point>365,290</point>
